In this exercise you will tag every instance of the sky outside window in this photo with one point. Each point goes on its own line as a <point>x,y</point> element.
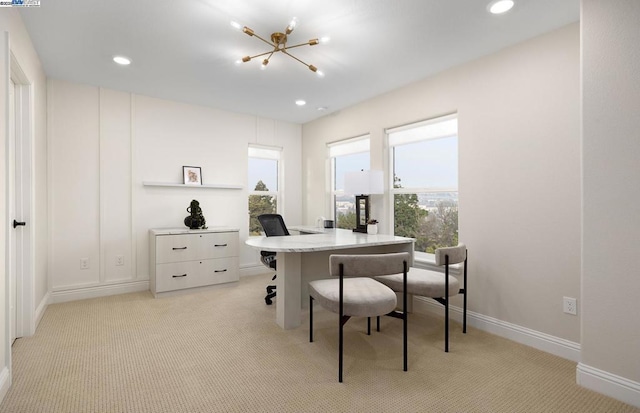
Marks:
<point>428,164</point>
<point>350,163</point>
<point>265,170</point>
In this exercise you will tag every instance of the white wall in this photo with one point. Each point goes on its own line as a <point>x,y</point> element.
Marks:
<point>611,225</point>
<point>104,144</point>
<point>519,173</point>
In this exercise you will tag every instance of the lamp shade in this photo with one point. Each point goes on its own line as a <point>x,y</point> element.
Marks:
<point>363,182</point>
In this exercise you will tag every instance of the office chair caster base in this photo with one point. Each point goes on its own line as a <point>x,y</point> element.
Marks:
<point>268,298</point>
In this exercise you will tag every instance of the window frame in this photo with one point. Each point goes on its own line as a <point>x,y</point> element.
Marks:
<point>423,257</point>
<point>344,147</point>
<point>269,153</point>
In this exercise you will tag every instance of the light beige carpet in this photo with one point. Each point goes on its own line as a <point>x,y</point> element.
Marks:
<point>221,351</point>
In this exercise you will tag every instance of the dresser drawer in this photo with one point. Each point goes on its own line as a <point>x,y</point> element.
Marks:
<point>176,276</point>
<point>220,270</point>
<point>170,248</point>
<point>217,245</point>
<point>190,274</point>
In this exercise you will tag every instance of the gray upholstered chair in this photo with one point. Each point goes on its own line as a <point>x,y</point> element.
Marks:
<point>361,295</point>
<point>435,284</point>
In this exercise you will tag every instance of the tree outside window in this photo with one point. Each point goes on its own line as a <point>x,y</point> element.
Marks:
<point>263,185</point>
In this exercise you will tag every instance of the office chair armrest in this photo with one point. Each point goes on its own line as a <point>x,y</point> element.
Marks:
<point>268,258</point>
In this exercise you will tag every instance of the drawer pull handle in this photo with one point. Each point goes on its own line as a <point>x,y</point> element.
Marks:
<point>181,248</point>
<point>225,270</point>
<point>220,245</point>
<point>179,276</point>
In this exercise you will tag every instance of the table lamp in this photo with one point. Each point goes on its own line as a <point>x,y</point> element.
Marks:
<point>362,184</point>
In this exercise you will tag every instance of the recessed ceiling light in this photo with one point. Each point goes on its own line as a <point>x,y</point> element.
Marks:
<point>500,6</point>
<point>300,102</point>
<point>121,60</point>
<point>322,108</point>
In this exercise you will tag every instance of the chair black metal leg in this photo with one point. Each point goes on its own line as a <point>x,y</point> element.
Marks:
<point>405,347</point>
<point>404,315</point>
<point>368,326</point>
<point>446,325</point>
<point>378,323</point>
<point>340,351</point>
<point>464,313</point>
<point>446,304</point>
<point>310,319</point>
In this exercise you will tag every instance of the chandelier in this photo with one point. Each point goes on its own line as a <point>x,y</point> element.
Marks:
<point>279,45</point>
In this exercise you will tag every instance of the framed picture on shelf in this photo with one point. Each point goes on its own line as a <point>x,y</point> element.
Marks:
<point>192,175</point>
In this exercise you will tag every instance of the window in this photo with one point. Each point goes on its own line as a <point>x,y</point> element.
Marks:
<point>424,161</point>
<point>346,156</point>
<point>263,177</point>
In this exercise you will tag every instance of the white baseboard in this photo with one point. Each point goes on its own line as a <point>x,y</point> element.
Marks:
<point>254,270</point>
<point>545,342</point>
<point>42,307</point>
<point>98,291</point>
<point>5,383</point>
<point>619,388</point>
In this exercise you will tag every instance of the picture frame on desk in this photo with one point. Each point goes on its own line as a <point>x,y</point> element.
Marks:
<point>192,175</point>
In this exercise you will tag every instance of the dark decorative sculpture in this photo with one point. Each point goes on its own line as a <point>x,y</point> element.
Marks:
<point>196,219</point>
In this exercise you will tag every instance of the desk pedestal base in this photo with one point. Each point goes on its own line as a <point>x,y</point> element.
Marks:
<point>296,269</point>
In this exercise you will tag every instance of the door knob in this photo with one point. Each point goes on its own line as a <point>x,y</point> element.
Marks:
<point>17,223</point>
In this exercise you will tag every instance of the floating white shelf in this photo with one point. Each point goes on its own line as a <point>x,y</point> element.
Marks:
<point>210,186</point>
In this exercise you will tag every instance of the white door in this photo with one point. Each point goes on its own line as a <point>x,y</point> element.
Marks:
<point>19,189</point>
<point>13,297</point>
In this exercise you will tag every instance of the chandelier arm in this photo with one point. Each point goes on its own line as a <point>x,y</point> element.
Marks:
<point>270,54</point>
<point>262,54</point>
<point>266,41</point>
<point>310,43</point>
<point>290,55</point>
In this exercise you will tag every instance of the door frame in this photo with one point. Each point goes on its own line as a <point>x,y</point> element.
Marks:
<point>24,130</point>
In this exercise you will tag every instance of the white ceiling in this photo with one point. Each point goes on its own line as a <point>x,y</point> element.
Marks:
<point>184,50</point>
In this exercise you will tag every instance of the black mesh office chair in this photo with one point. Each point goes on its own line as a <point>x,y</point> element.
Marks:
<point>273,226</point>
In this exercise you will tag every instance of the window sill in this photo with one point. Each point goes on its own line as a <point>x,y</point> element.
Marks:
<point>428,262</point>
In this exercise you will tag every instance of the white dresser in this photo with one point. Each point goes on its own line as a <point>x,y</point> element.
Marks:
<point>184,258</point>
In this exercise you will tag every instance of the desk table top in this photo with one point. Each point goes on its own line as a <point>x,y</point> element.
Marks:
<point>334,239</point>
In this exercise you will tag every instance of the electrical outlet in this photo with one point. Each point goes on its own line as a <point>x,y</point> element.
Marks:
<point>84,263</point>
<point>570,305</point>
<point>119,259</point>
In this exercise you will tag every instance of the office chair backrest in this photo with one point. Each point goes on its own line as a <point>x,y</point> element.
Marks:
<point>273,225</point>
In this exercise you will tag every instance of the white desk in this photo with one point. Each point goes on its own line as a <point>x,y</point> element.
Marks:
<point>308,229</point>
<point>302,258</point>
